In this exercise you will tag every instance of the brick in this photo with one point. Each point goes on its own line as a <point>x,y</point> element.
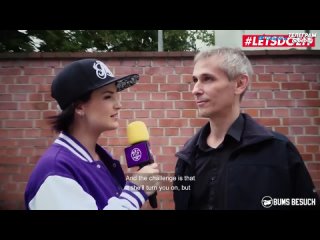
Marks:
<point>307,69</point>
<point>297,94</point>
<point>312,149</point>
<point>296,112</point>
<point>187,79</point>
<point>295,85</point>
<point>18,124</point>
<point>269,121</point>
<point>187,96</point>
<point>162,141</point>
<point>264,78</point>
<point>143,79</point>
<point>142,113</point>
<point>183,70</point>
<point>128,63</point>
<point>142,96</point>
<point>312,112</point>
<point>143,63</point>
<point>308,103</point>
<point>171,131</point>
<point>172,96</point>
<point>253,103</point>
<point>38,71</point>
<point>172,122</point>
<point>280,77</point>
<point>296,130</point>
<point>198,122</point>
<point>296,121</point>
<point>189,113</point>
<point>157,114</point>
<point>314,166</point>
<point>280,103</point>
<point>159,96</point>
<point>131,105</point>
<point>172,114</point>
<point>312,94</point>
<point>146,87</point>
<point>281,112</point>
<point>309,139</point>
<point>174,87</point>
<point>10,71</point>
<point>283,130</point>
<point>265,95</point>
<point>295,77</point>
<point>156,131</point>
<point>258,69</point>
<point>185,105</point>
<point>8,106</point>
<point>263,85</point>
<point>175,79</point>
<point>158,79</point>
<point>312,130</point>
<point>23,88</point>
<point>279,69</point>
<point>158,105</point>
<point>20,97</point>
<point>188,132</point>
<point>312,77</point>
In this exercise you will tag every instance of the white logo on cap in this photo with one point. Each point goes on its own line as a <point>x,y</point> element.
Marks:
<point>102,70</point>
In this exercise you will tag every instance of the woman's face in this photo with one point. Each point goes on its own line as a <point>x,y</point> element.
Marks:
<point>101,111</point>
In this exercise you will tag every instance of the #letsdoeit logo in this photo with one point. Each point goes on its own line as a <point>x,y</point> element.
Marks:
<point>268,201</point>
<point>136,154</point>
<point>292,40</point>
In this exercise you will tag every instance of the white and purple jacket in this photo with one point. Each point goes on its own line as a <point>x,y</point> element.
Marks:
<point>66,177</point>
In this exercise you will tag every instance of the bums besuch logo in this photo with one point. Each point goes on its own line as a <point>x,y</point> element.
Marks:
<point>268,201</point>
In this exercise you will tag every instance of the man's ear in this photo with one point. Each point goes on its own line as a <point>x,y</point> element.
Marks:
<point>241,84</point>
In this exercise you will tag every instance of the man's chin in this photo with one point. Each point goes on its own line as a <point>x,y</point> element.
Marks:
<point>203,114</point>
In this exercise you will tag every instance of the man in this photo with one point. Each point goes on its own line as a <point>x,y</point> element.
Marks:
<point>233,162</point>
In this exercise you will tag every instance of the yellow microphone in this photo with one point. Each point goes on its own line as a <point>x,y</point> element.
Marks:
<point>138,153</point>
<point>137,132</point>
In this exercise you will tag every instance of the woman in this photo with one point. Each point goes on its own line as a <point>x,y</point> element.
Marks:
<point>75,172</point>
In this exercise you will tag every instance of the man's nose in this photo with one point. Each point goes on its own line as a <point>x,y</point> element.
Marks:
<point>197,88</point>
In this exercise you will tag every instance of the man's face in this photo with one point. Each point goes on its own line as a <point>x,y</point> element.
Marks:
<point>214,92</point>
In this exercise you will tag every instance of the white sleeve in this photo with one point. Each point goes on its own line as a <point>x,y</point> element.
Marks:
<point>62,193</point>
<point>131,198</point>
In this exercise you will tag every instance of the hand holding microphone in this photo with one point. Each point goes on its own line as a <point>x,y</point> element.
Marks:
<point>140,178</point>
<point>139,154</point>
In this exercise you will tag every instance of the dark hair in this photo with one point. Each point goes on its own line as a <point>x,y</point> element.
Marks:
<point>62,121</point>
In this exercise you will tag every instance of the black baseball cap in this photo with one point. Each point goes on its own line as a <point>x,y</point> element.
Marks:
<point>83,76</point>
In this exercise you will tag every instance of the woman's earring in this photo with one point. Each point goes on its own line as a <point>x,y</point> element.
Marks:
<point>81,114</point>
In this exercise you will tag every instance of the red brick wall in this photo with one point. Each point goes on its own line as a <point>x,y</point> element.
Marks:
<point>283,95</point>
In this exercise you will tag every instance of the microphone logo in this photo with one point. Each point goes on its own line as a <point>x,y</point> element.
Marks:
<point>136,154</point>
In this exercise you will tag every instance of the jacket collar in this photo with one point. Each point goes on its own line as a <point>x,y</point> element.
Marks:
<point>73,145</point>
<point>253,133</point>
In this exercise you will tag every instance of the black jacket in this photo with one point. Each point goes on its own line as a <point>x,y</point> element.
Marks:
<point>266,164</point>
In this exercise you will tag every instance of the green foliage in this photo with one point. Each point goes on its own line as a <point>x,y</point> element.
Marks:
<point>15,41</point>
<point>101,40</point>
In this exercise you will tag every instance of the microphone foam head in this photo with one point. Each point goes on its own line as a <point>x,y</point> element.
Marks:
<point>137,132</point>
